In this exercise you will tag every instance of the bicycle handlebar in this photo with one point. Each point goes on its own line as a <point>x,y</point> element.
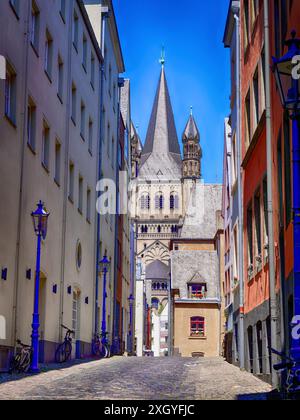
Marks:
<point>25,346</point>
<point>68,329</point>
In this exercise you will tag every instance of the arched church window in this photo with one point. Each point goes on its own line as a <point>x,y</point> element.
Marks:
<point>155,303</point>
<point>145,202</point>
<point>172,202</point>
<point>159,201</point>
<point>159,229</point>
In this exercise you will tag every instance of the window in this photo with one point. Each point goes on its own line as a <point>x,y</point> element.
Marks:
<point>110,79</point>
<point>159,201</point>
<point>35,25</point>
<point>80,194</point>
<point>172,202</point>
<point>82,120</point>
<point>115,96</point>
<point>10,94</point>
<point>88,205</point>
<point>48,54</point>
<point>233,159</point>
<point>84,52</point>
<point>46,146</point>
<point>263,81</point>
<point>145,202</point>
<point>257,223</point>
<point>91,136</point>
<point>246,24</point>
<point>113,152</point>
<point>287,169</point>
<point>15,4</point>
<point>75,31</point>
<point>60,80</point>
<point>198,291</point>
<point>235,256</point>
<point>256,98</point>
<point>197,327</point>
<point>62,10</point>
<point>57,162</point>
<point>155,303</point>
<point>277,28</point>
<point>247,119</point>
<point>76,314</point>
<point>266,225</point>
<point>74,103</point>
<point>250,235</point>
<point>92,70</point>
<point>108,139</point>
<point>31,123</point>
<point>71,181</point>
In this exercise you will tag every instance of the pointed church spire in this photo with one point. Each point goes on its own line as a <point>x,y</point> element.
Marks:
<point>192,152</point>
<point>162,57</point>
<point>162,135</point>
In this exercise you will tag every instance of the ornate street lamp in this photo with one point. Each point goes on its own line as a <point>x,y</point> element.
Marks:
<point>131,303</point>
<point>104,269</point>
<point>288,82</point>
<point>40,222</point>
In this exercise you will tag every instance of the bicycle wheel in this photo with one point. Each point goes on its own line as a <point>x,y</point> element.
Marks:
<point>68,350</point>
<point>60,354</point>
<point>25,362</point>
<point>108,353</point>
<point>96,349</point>
<point>14,364</point>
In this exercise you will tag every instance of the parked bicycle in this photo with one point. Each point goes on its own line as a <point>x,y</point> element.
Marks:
<point>290,369</point>
<point>21,362</point>
<point>64,351</point>
<point>101,346</point>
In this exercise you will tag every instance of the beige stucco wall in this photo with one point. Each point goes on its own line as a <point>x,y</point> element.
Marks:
<point>210,345</point>
<point>67,226</point>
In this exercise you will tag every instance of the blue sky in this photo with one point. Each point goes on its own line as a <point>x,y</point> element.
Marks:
<point>197,66</point>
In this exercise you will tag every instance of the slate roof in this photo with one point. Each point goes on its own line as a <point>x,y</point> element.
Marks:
<point>201,220</point>
<point>191,131</point>
<point>161,155</point>
<point>157,271</point>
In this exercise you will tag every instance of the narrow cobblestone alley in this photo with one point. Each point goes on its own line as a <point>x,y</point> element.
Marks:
<point>139,379</point>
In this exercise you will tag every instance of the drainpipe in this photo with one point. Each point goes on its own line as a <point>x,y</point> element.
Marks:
<point>66,169</point>
<point>20,213</point>
<point>236,11</point>
<point>104,16</point>
<point>116,339</point>
<point>273,303</point>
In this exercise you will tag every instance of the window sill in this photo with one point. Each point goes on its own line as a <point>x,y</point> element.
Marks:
<point>35,49</point>
<point>75,47</point>
<point>82,137</point>
<point>11,121</point>
<point>62,17</point>
<point>254,140</point>
<point>91,153</point>
<point>45,168</point>
<point>73,120</point>
<point>84,67</point>
<point>31,148</point>
<point>48,76</point>
<point>57,183</point>
<point>80,212</point>
<point>14,10</point>
<point>60,98</point>
<point>197,338</point>
<point>92,85</point>
<point>70,199</point>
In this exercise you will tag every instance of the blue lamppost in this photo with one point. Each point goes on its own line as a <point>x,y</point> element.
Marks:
<point>104,269</point>
<point>288,82</point>
<point>40,221</point>
<point>131,302</point>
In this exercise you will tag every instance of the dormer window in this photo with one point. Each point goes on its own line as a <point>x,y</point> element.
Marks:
<point>198,291</point>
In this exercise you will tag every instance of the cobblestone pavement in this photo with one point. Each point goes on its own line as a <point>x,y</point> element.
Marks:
<point>132,378</point>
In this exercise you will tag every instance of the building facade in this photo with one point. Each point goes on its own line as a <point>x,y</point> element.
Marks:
<point>172,202</point>
<point>267,265</point>
<point>51,103</point>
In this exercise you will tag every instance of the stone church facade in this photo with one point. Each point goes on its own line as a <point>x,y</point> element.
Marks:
<point>170,200</point>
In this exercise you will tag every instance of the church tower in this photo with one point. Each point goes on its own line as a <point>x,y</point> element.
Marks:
<point>192,152</point>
